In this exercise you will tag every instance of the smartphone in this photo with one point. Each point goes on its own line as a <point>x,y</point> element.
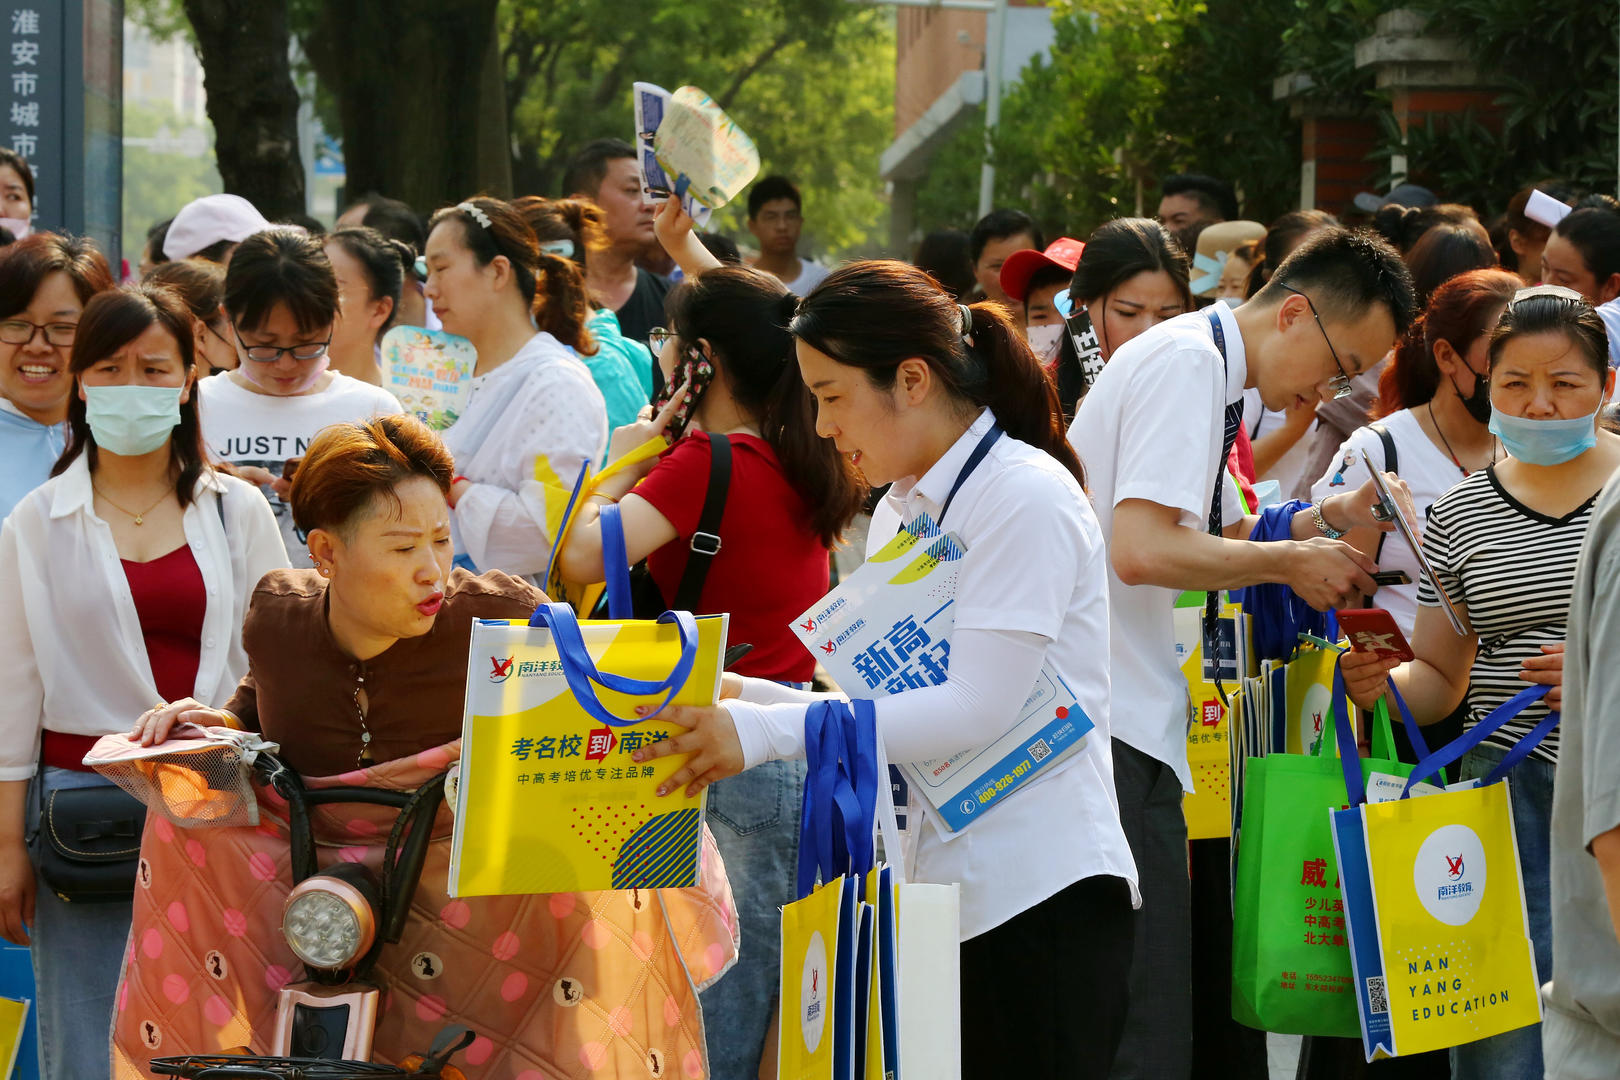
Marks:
<point>1373,630</point>
<point>694,371</point>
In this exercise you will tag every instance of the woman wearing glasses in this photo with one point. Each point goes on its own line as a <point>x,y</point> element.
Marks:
<point>1503,544</point>
<point>281,300</point>
<point>124,580</point>
<point>45,281</point>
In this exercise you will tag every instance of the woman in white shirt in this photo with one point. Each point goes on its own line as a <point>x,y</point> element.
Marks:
<point>949,405</point>
<point>281,297</point>
<point>123,583</point>
<point>533,403</point>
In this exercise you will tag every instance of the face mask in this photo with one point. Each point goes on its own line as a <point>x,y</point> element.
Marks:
<point>258,374</point>
<point>1544,442</point>
<point>1478,403</point>
<point>131,420</point>
<point>1044,340</point>
<point>19,227</point>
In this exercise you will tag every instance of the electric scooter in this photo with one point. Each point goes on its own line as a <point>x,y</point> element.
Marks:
<point>337,921</point>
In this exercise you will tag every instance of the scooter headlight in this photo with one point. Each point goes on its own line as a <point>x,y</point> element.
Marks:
<point>328,922</point>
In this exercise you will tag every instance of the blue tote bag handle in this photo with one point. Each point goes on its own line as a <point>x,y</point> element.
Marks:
<point>823,746</point>
<point>840,794</point>
<point>861,770</point>
<point>1355,787</point>
<point>583,677</point>
<point>616,565</point>
<point>1483,730</point>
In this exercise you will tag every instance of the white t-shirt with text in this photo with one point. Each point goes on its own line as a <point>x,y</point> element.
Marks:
<point>245,428</point>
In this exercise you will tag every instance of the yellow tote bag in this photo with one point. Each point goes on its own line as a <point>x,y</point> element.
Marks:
<point>1434,903</point>
<point>1209,808</point>
<point>548,798</point>
<point>817,984</point>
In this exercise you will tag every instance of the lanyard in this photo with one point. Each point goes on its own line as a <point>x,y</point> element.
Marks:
<point>1231,421</point>
<point>986,441</point>
<point>979,451</point>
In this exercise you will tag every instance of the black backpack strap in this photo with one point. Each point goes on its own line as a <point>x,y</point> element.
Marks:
<point>705,543</point>
<point>1392,462</point>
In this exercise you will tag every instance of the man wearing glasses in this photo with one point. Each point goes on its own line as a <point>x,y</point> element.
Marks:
<point>1155,433</point>
<point>281,302</point>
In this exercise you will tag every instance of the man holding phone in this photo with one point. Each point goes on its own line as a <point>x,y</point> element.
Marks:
<point>1155,432</point>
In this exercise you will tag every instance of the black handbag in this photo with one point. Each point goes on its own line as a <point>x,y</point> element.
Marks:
<point>88,843</point>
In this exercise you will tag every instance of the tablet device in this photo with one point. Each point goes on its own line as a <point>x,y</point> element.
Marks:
<point>1415,541</point>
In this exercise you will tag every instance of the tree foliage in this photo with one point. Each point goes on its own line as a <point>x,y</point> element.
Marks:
<point>1132,90</point>
<point>1135,89</point>
<point>156,182</point>
<point>1556,67</point>
<point>810,80</point>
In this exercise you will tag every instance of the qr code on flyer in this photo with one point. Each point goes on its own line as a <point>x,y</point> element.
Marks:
<point>1039,751</point>
<point>1377,996</point>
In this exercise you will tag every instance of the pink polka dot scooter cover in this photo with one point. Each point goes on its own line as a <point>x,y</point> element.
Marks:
<point>567,986</point>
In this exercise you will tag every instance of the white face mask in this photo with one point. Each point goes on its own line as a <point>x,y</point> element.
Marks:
<point>1045,340</point>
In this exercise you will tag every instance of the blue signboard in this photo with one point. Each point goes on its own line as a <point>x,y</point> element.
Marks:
<point>61,74</point>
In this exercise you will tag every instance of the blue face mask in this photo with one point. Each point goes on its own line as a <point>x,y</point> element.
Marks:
<point>131,420</point>
<point>1544,442</point>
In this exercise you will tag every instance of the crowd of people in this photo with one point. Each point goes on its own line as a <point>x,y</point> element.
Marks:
<point>215,513</point>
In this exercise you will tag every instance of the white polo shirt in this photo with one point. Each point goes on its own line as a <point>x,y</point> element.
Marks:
<point>1151,428</point>
<point>1034,564</point>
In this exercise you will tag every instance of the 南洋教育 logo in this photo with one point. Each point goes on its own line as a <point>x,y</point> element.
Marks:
<point>1449,874</point>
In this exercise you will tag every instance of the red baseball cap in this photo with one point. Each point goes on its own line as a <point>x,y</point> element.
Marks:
<point>1021,266</point>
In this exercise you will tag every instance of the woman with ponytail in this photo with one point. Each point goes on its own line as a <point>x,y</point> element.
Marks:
<point>532,400</point>
<point>789,499</point>
<point>371,270</point>
<point>568,231</point>
<point>949,405</point>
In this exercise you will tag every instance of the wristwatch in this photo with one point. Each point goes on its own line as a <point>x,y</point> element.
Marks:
<point>1321,523</point>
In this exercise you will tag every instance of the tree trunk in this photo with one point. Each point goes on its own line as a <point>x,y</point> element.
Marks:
<point>243,45</point>
<point>419,96</point>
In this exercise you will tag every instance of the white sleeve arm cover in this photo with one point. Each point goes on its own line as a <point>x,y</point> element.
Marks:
<point>991,675</point>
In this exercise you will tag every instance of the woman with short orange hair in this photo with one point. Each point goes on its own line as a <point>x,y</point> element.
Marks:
<point>358,668</point>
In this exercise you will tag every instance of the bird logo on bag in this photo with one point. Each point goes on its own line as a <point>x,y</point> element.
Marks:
<point>501,670</point>
<point>1454,867</point>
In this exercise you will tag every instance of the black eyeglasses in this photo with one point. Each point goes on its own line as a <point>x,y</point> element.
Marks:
<point>1341,381</point>
<point>269,354</point>
<point>21,332</point>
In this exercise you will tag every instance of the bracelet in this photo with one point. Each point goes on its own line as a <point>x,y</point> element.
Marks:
<point>1321,523</point>
<point>605,498</point>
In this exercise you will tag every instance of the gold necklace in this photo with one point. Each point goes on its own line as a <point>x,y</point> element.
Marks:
<point>139,518</point>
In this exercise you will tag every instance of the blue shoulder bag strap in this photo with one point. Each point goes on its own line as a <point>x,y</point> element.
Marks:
<point>616,564</point>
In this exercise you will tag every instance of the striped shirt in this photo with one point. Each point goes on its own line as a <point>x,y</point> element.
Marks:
<point>1515,569</point>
